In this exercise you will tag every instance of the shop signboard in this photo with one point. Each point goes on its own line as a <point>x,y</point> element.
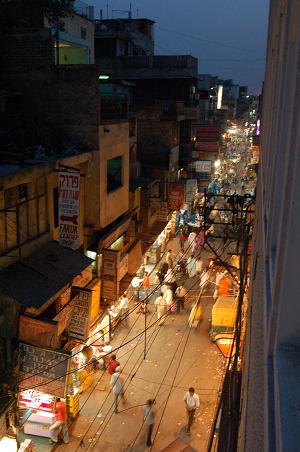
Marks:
<point>63,317</point>
<point>43,370</point>
<point>80,319</point>
<point>190,190</point>
<point>109,274</point>
<point>42,333</point>
<point>176,196</point>
<point>203,166</point>
<point>69,209</point>
<point>224,342</point>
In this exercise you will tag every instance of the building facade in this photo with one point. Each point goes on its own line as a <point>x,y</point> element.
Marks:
<point>270,388</point>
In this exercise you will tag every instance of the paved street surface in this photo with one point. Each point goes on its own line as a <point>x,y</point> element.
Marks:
<point>177,357</point>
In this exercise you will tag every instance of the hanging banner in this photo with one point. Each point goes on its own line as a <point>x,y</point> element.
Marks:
<point>176,196</point>
<point>43,370</point>
<point>69,209</point>
<point>80,320</point>
<point>190,190</point>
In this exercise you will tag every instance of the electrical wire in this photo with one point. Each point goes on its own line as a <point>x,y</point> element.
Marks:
<point>68,373</point>
<point>130,382</point>
<point>169,309</point>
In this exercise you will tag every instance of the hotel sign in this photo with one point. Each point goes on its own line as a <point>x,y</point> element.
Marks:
<point>69,209</point>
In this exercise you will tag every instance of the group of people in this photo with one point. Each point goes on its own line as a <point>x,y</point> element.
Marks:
<point>191,400</point>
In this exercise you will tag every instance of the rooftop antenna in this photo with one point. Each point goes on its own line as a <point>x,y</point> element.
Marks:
<point>101,14</point>
<point>106,10</point>
<point>129,13</point>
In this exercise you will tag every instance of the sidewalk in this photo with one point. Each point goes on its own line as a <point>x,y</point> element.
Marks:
<point>184,357</point>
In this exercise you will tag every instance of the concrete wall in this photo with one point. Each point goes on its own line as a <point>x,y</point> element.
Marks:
<point>103,208</point>
<point>29,223</point>
<point>270,396</point>
<point>73,26</point>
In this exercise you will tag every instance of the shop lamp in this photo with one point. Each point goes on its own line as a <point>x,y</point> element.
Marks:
<point>217,163</point>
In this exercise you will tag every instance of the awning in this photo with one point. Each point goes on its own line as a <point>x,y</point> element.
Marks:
<point>32,281</point>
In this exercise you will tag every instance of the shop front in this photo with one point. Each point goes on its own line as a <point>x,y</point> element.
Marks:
<point>43,376</point>
<point>120,256</point>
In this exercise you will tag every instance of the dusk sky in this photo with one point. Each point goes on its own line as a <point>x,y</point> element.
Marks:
<point>227,36</point>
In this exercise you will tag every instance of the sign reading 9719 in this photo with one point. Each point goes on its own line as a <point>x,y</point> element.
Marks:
<point>69,209</point>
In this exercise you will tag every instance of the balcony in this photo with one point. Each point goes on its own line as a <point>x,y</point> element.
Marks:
<point>173,110</point>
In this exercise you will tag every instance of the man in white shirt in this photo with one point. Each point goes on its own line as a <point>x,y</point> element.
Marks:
<point>124,309</point>
<point>117,386</point>
<point>191,400</point>
<point>180,297</point>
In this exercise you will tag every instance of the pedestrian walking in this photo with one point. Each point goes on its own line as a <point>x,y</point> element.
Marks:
<point>160,304</point>
<point>124,309</point>
<point>60,423</point>
<point>167,296</point>
<point>180,297</point>
<point>191,400</point>
<point>169,259</point>
<point>146,286</point>
<point>182,240</point>
<point>192,241</point>
<point>149,420</point>
<point>112,364</point>
<point>191,266</point>
<point>170,279</point>
<point>117,386</point>
<point>199,265</point>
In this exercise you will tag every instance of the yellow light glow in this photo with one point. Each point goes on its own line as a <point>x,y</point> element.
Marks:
<point>217,163</point>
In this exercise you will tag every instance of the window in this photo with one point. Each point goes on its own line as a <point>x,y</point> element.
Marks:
<point>83,32</point>
<point>114,174</point>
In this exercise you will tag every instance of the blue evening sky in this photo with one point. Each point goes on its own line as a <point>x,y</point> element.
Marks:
<point>227,36</point>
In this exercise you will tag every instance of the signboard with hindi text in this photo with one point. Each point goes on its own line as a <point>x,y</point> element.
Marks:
<point>69,209</point>
<point>80,320</point>
<point>43,370</point>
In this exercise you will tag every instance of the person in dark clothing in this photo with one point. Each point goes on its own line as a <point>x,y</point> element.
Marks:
<point>149,420</point>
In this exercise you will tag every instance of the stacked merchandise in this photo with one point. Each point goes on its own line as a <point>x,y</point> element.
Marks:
<point>38,423</point>
<point>73,406</point>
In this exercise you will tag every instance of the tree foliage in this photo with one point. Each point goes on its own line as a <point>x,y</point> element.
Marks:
<point>53,10</point>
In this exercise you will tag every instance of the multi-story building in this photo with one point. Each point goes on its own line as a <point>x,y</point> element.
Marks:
<point>269,408</point>
<point>52,132</point>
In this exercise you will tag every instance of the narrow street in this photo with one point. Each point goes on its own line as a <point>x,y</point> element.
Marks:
<point>177,357</point>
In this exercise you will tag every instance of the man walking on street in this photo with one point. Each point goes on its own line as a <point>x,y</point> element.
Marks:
<point>180,297</point>
<point>169,259</point>
<point>117,387</point>
<point>191,400</point>
<point>124,309</point>
<point>112,364</point>
<point>60,423</point>
<point>149,420</point>
<point>160,304</point>
<point>146,286</point>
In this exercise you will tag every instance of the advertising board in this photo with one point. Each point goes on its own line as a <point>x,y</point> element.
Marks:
<point>69,209</point>
<point>43,370</point>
